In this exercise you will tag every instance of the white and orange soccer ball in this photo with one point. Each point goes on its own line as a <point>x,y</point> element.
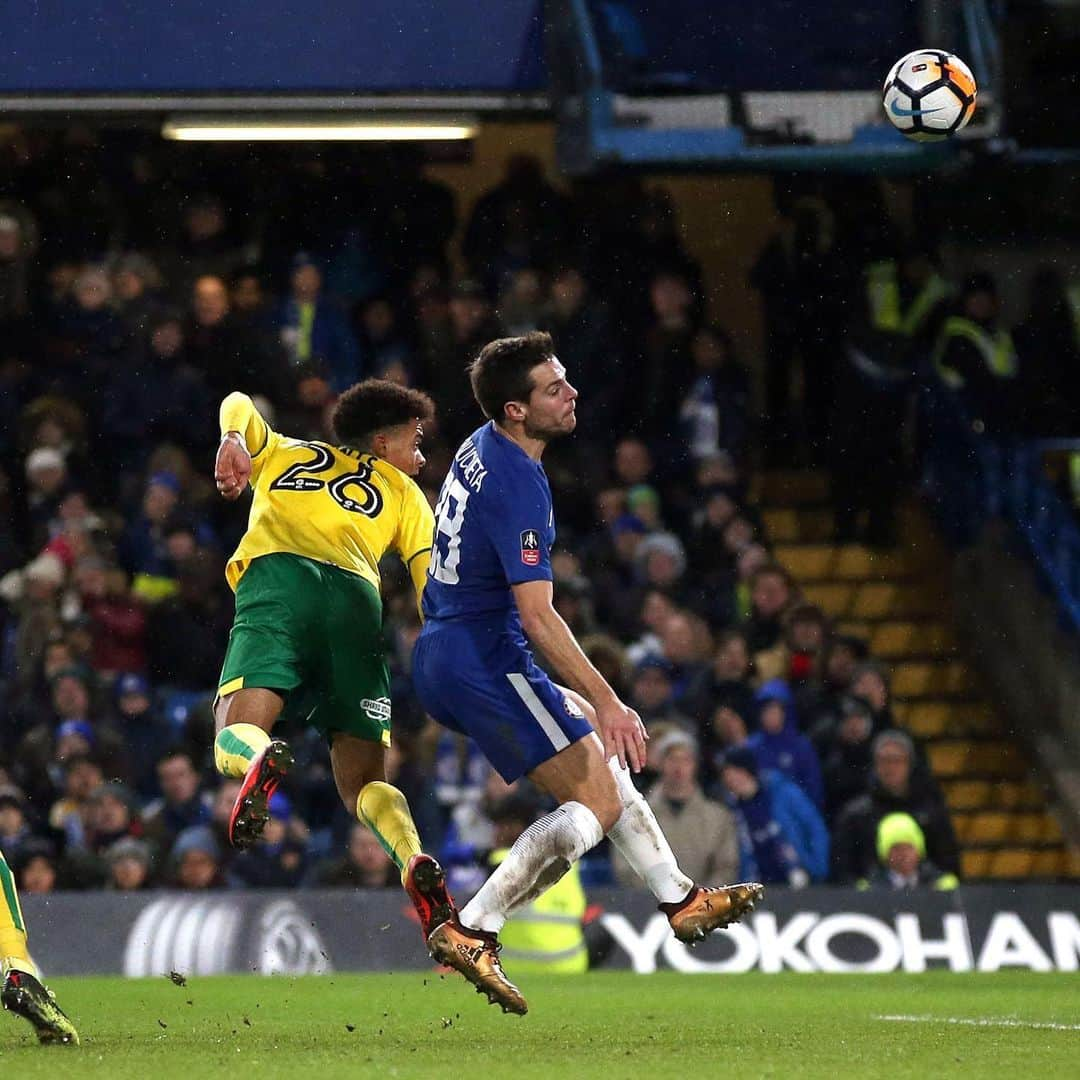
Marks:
<point>929,95</point>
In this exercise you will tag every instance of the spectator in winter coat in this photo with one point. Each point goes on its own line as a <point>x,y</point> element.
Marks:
<point>847,758</point>
<point>782,838</point>
<point>896,786</point>
<point>318,340</point>
<point>777,744</point>
<point>700,830</point>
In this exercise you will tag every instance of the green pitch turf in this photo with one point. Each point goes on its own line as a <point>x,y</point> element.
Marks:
<point>609,1025</point>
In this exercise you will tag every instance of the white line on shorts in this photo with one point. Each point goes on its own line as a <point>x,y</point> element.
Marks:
<point>981,1022</point>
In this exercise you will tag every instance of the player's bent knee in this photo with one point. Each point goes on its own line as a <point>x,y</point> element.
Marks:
<point>221,711</point>
<point>608,809</point>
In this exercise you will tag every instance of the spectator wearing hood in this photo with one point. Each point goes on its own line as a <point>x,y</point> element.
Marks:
<point>782,838</point>
<point>896,786</point>
<point>777,744</point>
<point>902,863</point>
<point>847,758</point>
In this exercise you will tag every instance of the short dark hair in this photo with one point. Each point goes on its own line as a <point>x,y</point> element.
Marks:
<point>374,405</point>
<point>501,371</point>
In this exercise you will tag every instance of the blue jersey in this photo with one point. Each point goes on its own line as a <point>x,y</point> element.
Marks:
<point>494,527</point>
<point>472,668</point>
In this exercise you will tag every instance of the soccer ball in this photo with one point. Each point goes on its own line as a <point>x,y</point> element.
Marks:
<point>929,95</point>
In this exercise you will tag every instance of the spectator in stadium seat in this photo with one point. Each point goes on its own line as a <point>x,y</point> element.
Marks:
<point>714,413</point>
<point>155,394</point>
<point>383,343</point>
<point>135,282</point>
<point>196,860</point>
<point>18,245</point>
<point>519,222</point>
<point>280,858</point>
<point>777,744</point>
<point>321,351</point>
<point>846,754</point>
<point>46,485</point>
<point>364,866</point>
<point>521,302</point>
<point>581,325</point>
<point>667,365</point>
<point>771,593</point>
<point>821,705</point>
<point>228,354</point>
<point>205,246</point>
<point>130,862</point>
<point>684,641</point>
<point>472,324</point>
<point>652,694</point>
<point>16,830</point>
<point>38,868</point>
<point>32,597</point>
<point>118,619</point>
<point>870,681</point>
<point>896,786</point>
<point>700,830</point>
<point>188,631</point>
<point>67,816</point>
<point>902,864</point>
<point>782,838</point>
<point>181,805</point>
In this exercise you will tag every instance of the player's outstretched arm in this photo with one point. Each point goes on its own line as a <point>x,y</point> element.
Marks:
<point>619,726</point>
<point>243,433</point>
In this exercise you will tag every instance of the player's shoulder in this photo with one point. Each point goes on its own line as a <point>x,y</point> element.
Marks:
<point>510,469</point>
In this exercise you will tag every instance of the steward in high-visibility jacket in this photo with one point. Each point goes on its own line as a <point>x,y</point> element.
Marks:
<point>905,298</point>
<point>547,935</point>
<point>976,358</point>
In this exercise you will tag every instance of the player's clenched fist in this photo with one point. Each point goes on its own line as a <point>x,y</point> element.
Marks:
<point>623,733</point>
<point>232,469</point>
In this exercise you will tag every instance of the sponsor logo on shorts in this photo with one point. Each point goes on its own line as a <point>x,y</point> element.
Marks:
<point>378,709</point>
<point>530,547</point>
<point>572,709</point>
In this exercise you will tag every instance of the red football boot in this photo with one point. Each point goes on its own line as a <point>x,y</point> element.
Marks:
<point>250,812</point>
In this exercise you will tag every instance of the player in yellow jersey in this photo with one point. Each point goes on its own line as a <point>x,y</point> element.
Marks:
<point>308,620</point>
<point>20,988</point>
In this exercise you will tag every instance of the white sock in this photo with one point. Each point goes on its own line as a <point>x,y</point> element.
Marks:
<point>642,843</point>
<point>539,857</point>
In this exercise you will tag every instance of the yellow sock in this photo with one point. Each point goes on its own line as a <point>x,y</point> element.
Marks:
<point>386,813</point>
<point>13,952</point>
<point>237,746</point>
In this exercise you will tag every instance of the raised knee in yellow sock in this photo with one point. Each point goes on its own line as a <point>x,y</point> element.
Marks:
<point>237,746</point>
<point>386,812</point>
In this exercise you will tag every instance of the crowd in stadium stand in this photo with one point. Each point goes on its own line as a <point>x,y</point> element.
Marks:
<point>135,294</point>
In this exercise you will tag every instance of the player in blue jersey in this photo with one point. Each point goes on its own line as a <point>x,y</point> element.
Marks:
<point>488,595</point>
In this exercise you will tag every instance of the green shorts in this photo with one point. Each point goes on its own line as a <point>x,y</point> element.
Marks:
<point>313,632</point>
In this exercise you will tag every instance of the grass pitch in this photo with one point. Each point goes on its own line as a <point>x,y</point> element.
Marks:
<point>609,1025</point>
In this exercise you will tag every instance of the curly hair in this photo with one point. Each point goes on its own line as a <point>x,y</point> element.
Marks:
<point>374,405</point>
<point>501,372</point>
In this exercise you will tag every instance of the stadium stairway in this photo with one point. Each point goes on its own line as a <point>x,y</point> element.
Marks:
<point>898,602</point>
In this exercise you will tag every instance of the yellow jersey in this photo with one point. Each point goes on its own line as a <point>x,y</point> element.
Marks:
<point>329,503</point>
